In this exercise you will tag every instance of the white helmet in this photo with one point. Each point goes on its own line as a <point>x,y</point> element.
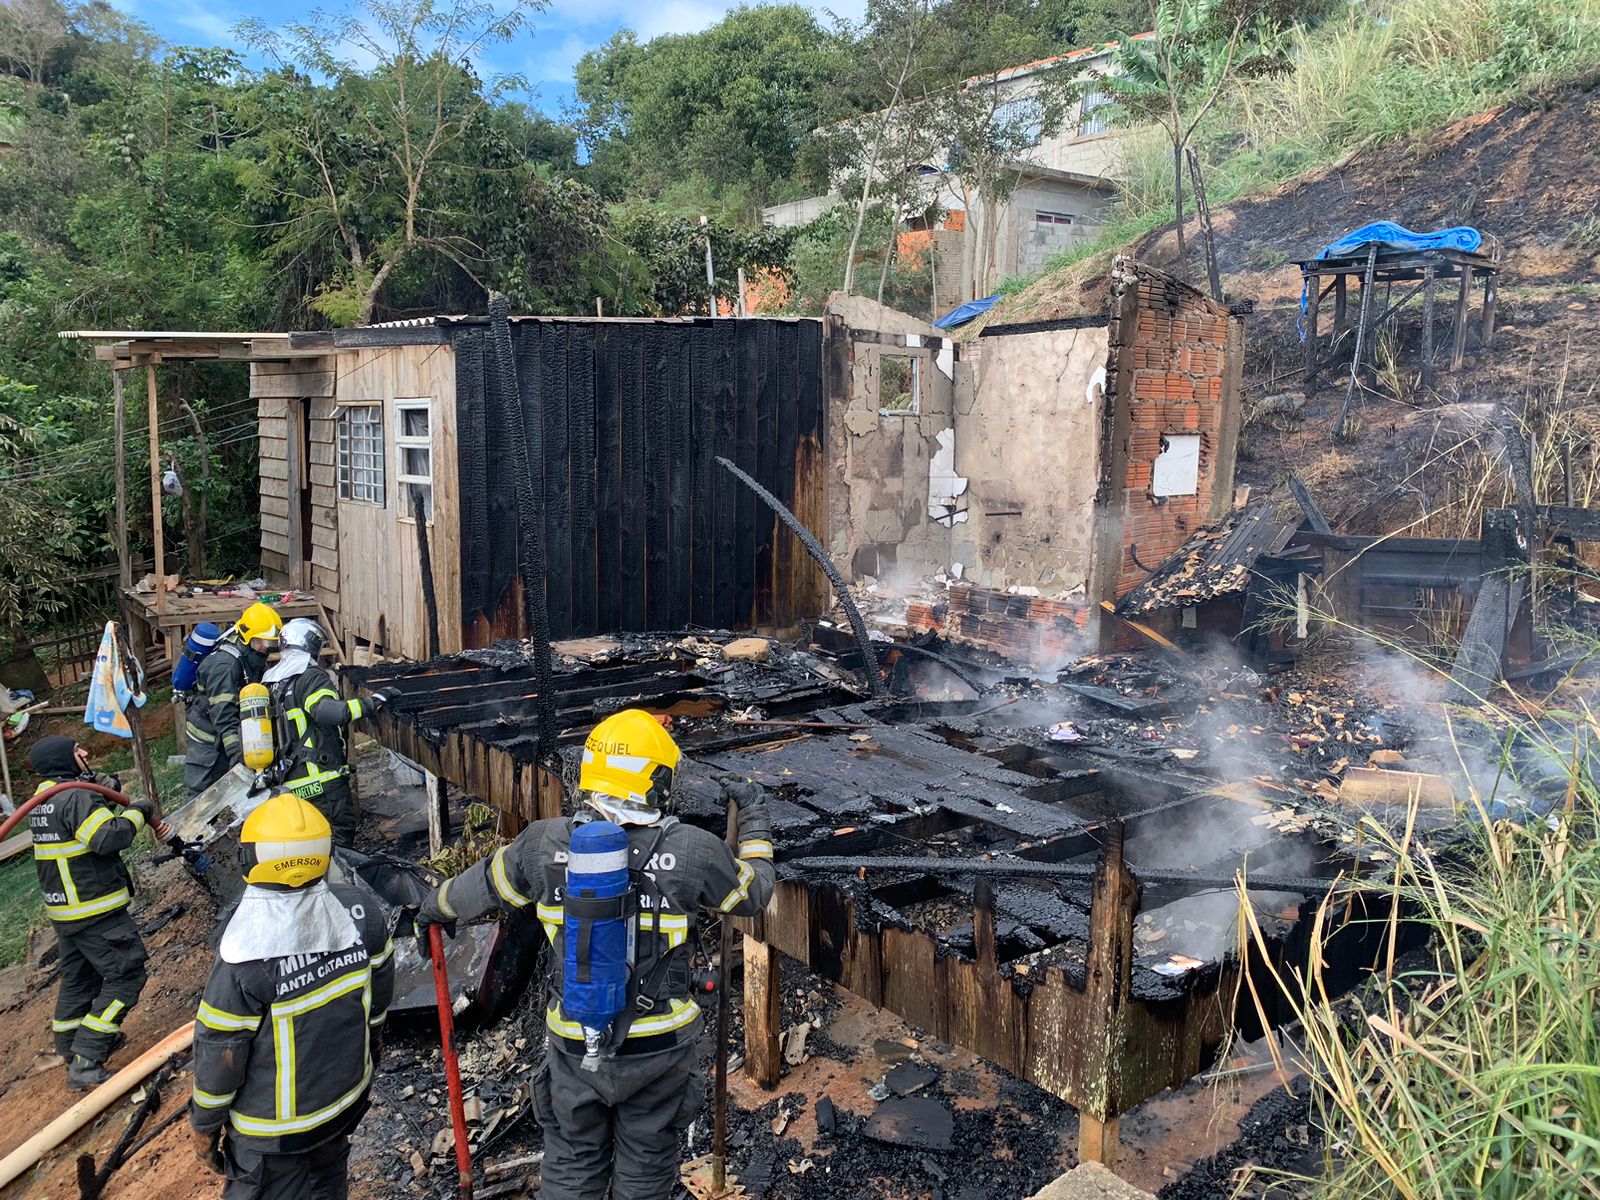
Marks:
<point>303,633</point>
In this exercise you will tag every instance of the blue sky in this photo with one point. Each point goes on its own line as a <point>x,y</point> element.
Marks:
<point>545,53</point>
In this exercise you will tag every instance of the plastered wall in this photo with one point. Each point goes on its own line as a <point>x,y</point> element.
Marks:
<point>1029,446</point>
<point>1031,461</point>
<point>878,464</point>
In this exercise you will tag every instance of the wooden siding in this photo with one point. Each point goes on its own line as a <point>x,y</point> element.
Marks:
<point>281,389</point>
<point>376,567</point>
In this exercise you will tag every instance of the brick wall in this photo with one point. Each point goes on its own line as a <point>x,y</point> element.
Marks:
<point>1175,377</point>
<point>1025,629</point>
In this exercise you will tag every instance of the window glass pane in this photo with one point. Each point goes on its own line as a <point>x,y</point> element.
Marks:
<point>360,447</point>
<point>416,461</point>
<point>414,422</point>
<point>427,499</point>
<point>898,384</point>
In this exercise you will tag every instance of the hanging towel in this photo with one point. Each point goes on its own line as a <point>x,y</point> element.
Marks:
<point>109,692</point>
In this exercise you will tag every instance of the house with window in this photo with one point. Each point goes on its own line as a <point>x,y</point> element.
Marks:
<point>364,432</point>
<point>1065,182</point>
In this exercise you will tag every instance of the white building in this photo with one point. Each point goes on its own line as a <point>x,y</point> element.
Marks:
<point>1065,184</point>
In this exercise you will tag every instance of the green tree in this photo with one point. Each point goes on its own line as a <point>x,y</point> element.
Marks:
<point>1175,78</point>
<point>731,104</point>
<point>370,163</point>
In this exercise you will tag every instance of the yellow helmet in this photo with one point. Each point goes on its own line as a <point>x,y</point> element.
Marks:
<point>259,621</point>
<point>285,843</point>
<point>628,762</point>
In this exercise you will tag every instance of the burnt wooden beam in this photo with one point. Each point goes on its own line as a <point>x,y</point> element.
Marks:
<point>1056,872</point>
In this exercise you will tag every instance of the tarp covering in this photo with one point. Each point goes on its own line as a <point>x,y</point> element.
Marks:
<point>969,311</point>
<point>1389,236</point>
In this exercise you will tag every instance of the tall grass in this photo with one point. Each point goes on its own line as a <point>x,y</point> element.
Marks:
<point>1369,73</point>
<point>1476,1072</point>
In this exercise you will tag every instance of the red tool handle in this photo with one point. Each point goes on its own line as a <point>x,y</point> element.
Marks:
<point>26,806</point>
<point>452,1065</point>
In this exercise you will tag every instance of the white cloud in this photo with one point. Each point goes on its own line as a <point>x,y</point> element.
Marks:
<point>553,61</point>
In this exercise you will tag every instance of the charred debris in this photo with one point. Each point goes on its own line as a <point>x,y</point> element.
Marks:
<point>1039,865</point>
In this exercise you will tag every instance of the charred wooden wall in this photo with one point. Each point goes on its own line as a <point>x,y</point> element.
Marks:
<point>642,529</point>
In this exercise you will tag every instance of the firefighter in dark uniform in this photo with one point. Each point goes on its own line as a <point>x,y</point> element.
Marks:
<point>212,727</point>
<point>611,1125</point>
<point>78,840</point>
<point>314,749</point>
<point>290,1024</point>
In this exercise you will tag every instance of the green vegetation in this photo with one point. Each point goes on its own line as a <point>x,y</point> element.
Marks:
<point>1474,1072</point>
<point>22,906</point>
<point>1362,75</point>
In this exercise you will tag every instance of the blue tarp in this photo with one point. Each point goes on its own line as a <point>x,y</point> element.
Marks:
<point>1394,237</point>
<point>969,311</point>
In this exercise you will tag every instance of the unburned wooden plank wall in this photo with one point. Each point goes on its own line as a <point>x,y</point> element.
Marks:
<point>294,408</point>
<point>643,530</point>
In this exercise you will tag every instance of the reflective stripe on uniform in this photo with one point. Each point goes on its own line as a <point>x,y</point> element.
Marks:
<point>755,848</point>
<point>225,1022</point>
<point>197,733</point>
<point>442,899</point>
<point>341,986</point>
<point>211,1100</point>
<point>64,1026</point>
<point>224,698</point>
<point>319,694</point>
<point>91,908</point>
<point>268,1128</point>
<point>356,710</point>
<point>681,1013</point>
<point>107,1021</point>
<point>93,823</point>
<point>61,850</point>
<point>551,916</point>
<point>315,774</point>
<point>502,885</point>
<point>388,950</point>
<point>298,717</point>
<point>747,876</point>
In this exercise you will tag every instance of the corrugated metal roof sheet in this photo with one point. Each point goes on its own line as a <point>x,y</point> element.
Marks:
<point>1217,561</point>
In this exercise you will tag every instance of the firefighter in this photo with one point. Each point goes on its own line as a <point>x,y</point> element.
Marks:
<point>78,839</point>
<point>314,749</point>
<point>290,1024</point>
<point>612,1115</point>
<point>212,727</point>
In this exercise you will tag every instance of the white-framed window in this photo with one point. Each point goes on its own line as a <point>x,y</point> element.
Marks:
<point>360,443</point>
<point>899,385</point>
<point>413,441</point>
<point>1040,217</point>
<point>1094,113</point>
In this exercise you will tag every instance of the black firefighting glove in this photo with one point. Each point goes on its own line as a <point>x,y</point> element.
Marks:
<point>381,699</point>
<point>432,912</point>
<point>755,821</point>
<point>208,1148</point>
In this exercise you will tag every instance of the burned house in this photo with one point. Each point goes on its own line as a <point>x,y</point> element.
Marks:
<point>1055,460</point>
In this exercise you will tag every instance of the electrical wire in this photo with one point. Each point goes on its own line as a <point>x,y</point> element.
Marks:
<point>229,409</point>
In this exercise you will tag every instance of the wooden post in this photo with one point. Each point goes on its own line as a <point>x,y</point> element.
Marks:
<point>1458,347</point>
<point>124,565</point>
<point>1203,211</point>
<point>438,805</point>
<point>1108,982</point>
<point>1427,328</point>
<point>1361,340</point>
<point>141,748</point>
<point>599,308</point>
<point>155,485</point>
<point>1489,296</point>
<point>763,983</point>
<point>1341,298</point>
<point>738,306</point>
<point>1313,311</point>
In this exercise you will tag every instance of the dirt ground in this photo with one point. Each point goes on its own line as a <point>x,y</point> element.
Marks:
<point>1524,176</point>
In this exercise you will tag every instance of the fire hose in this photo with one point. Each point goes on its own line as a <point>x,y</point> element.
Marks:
<point>112,794</point>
